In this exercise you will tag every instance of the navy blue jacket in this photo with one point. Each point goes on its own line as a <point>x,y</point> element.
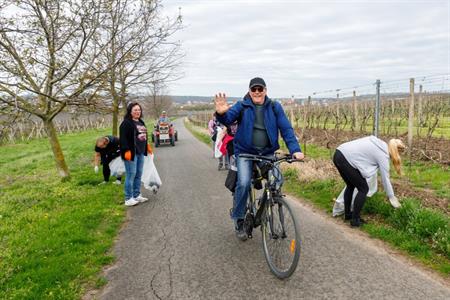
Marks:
<point>274,120</point>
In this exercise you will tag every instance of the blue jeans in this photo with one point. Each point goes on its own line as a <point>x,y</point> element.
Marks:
<point>133,172</point>
<point>244,174</point>
<point>241,194</point>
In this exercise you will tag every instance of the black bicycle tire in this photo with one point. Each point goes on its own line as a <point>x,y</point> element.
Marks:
<point>278,273</point>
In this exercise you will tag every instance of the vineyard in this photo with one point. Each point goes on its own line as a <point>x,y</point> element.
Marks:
<point>24,127</point>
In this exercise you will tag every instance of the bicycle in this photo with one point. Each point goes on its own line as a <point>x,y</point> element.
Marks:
<point>279,227</point>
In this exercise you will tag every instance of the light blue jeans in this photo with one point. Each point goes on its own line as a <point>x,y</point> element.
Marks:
<point>133,172</point>
<point>244,174</point>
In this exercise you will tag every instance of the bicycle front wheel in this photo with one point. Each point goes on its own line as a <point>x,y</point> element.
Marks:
<point>281,239</point>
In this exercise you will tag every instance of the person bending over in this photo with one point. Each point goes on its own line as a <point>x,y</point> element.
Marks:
<point>360,159</point>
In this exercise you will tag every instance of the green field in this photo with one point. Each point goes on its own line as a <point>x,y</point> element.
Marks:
<point>439,132</point>
<point>55,236</point>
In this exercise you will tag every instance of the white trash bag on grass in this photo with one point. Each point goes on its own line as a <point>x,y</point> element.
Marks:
<point>338,208</point>
<point>117,167</point>
<point>150,177</point>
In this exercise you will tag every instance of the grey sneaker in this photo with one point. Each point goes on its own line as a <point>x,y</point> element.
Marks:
<point>141,199</point>
<point>239,229</point>
<point>131,202</point>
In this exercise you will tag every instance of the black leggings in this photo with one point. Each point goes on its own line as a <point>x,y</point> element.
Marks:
<point>107,171</point>
<point>353,179</point>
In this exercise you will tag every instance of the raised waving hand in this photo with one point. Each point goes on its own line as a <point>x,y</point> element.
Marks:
<point>221,103</point>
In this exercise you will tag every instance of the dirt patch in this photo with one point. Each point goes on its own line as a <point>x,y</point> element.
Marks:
<point>428,198</point>
<point>314,169</point>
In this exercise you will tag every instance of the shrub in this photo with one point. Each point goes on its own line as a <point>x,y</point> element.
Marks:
<point>401,217</point>
<point>426,223</point>
<point>441,241</point>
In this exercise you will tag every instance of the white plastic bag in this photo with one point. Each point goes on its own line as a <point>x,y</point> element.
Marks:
<point>220,134</point>
<point>117,167</point>
<point>150,177</point>
<point>338,208</point>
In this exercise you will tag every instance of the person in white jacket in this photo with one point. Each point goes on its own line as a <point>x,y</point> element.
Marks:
<point>360,159</point>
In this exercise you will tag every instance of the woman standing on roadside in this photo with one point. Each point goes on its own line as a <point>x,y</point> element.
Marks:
<point>133,148</point>
<point>360,159</point>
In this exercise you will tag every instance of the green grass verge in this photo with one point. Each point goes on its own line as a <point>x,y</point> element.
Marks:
<point>421,232</point>
<point>203,137</point>
<point>55,236</point>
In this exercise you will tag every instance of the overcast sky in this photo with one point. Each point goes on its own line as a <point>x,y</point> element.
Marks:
<point>301,47</point>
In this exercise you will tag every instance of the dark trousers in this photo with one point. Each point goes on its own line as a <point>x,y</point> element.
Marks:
<point>106,170</point>
<point>353,179</point>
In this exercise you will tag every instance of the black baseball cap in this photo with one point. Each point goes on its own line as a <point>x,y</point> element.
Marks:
<point>257,81</point>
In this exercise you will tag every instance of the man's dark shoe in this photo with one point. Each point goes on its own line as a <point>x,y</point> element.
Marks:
<point>239,229</point>
<point>357,222</point>
<point>347,217</point>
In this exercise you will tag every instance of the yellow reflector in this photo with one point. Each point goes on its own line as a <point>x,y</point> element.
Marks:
<point>292,248</point>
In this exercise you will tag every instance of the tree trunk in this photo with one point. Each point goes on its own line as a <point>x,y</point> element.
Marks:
<point>115,117</point>
<point>61,165</point>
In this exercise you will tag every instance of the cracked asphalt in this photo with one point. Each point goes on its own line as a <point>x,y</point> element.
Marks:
<point>181,245</point>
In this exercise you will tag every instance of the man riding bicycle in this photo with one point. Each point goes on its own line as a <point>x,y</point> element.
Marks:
<point>260,119</point>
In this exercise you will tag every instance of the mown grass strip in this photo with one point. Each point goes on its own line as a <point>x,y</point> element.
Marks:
<point>55,236</point>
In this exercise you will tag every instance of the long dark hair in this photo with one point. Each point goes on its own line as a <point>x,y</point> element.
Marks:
<point>129,108</point>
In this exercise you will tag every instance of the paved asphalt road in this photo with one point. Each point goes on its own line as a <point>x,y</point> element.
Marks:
<point>181,245</point>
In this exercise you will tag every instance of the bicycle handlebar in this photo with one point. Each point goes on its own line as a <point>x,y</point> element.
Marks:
<point>272,159</point>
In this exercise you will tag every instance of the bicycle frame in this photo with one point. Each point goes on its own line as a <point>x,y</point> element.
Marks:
<point>278,227</point>
<point>266,202</point>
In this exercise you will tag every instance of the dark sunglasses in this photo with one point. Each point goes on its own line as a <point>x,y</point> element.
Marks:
<point>257,89</point>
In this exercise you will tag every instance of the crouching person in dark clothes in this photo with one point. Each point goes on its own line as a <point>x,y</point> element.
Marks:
<point>106,149</point>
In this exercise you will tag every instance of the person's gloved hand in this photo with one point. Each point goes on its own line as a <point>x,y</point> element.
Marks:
<point>394,202</point>
<point>96,169</point>
<point>127,155</point>
<point>149,149</point>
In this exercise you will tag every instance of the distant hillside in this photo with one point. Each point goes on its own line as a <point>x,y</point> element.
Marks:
<point>185,99</point>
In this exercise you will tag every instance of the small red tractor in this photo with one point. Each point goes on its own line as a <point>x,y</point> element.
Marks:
<point>163,134</point>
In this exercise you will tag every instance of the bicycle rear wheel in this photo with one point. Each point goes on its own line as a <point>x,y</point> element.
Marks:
<point>281,239</point>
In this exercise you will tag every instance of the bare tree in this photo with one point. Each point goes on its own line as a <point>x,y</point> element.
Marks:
<point>141,36</point>
<point>157,101</point>
<point>49,59</point>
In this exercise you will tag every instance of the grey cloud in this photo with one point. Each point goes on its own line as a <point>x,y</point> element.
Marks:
<point>303,47</point>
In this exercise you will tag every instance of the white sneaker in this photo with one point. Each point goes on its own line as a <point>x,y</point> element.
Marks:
<point>117,182</point>
<point>141,199</point>
<point>102,183</point>
<point>131,202</point>
<point>394,202</point>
